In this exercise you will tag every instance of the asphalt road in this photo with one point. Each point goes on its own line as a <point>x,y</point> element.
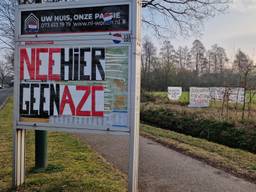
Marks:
<point>4,93</point>
<point>164,170</point>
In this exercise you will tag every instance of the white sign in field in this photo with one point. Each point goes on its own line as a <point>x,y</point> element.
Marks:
<point>174,93</point>
<point>199,97</point>
<point>234,95</point>
<point>217,93</point>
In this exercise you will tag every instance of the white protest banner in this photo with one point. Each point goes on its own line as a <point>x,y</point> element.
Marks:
<point>235,95</point>
<point>217,93</point>
<point>199,97</point>
<point>174,93</point>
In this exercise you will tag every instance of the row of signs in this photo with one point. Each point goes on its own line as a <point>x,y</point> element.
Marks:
<point>201,96</point>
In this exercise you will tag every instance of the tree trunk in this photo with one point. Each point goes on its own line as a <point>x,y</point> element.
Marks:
<point>237,95</point>
<point>2,82</point>
<point>245,85</point>
<point>249,104</point>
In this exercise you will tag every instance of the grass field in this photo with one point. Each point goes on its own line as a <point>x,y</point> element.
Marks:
<point>236,161</point>
<point>73,166</point>
<point>184,99</point>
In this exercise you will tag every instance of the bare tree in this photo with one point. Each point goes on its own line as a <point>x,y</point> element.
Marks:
<point>225,101</point>
<point>244,65</point>
<point>169,59</point>
<point>198,55</point>
<point>217,58</point>
<point>7,27</point>
<point>148,58</point>
<point>183,57</point>
<point>6,70</point>
<point>251,95</point>
<point>180,16</point>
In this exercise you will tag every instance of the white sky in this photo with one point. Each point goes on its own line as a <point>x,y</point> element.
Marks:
<point>232,30</point>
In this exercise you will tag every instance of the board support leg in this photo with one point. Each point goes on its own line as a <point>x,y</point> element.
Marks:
<point>19,157</point>
<point>133,162</point>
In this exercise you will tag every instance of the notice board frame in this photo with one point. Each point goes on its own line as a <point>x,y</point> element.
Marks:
<point>70,128</point>
<point>134,86</point>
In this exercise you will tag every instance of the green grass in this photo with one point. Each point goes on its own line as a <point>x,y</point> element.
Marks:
<point>73,166</point>
<point>184,99</point>
<point>159,94</point>
<point>236,161</point>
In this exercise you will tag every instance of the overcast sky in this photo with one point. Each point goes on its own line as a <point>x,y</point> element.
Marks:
<point>232,30</point>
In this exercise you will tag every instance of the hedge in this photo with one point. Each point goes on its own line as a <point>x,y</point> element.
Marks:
<point>221,132</point>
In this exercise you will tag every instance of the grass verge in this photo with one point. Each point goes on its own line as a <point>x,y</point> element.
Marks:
<point>234,161</point>
<point>73,166</point>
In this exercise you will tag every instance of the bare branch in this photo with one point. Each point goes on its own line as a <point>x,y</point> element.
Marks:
<point>182,16</point>
<point>165,17</point>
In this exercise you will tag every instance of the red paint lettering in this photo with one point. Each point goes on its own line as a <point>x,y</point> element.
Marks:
<point>94,89</point>
<point>38,63</point>
<point>53,77</point>
<point>86,90</point>
<point>24,58</point>
<point>67,99</point>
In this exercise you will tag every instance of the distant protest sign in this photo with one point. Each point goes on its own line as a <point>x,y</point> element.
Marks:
<point>174,93</point>
<point>199,97</point>
<point>235,95</point>
<point>217,93</point>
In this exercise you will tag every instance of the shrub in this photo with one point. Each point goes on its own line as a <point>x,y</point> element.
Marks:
<point>221,132</point>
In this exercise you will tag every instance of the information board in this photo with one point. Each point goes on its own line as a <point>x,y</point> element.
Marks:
<point>77,69</point>
<point>76,20</point>
<point>85,87</point>
<point>74,83</point>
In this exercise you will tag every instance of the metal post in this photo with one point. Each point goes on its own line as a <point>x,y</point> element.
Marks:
<point>135,97</point>
<point>19,158</point>
<point>41,156</point>
<point>133,161</point>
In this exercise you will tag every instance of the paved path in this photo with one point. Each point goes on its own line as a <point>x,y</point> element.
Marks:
<point>164,170</point>
<point>4,93</point>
